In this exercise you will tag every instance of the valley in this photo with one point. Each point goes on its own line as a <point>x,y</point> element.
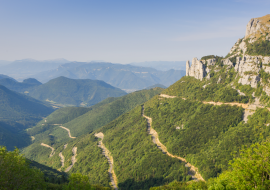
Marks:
<point>207,130</point>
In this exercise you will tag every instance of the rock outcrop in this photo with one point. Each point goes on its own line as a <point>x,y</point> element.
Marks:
<point>197,69</point>
<point>247,67</point>
<point>258,26</point>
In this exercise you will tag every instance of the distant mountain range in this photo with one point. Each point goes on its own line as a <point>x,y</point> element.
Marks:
<point>22,69</point>
<point>65,91</point>
<point>162,65</point>
<point>126,77</point>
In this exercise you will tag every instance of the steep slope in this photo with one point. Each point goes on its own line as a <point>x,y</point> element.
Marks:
<point>126,77</point>
<point>14,105</point>
<point>221,105</point>
<point>18,112</point>
<point>81,92</point>
<point>84,120</point>
<point>81,123</point>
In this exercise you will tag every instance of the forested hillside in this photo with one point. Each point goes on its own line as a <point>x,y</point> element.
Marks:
<point>18,112</point>
<point>22,87</point>
<point>214,122</point>
<point>83,92</point>
<point>81,121</point>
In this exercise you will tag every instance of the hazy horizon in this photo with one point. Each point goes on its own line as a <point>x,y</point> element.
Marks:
<point>123,32</point>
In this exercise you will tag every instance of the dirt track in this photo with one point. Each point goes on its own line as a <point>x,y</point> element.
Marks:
<point>193,170</point>
<point>73,158</point>
<point>107,154</point>
<point>62,158</point>
<point>249,108</point>
<point>52,153</point>
<point>67,131</point>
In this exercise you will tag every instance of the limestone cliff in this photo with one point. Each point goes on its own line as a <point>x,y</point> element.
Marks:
<point>197,69</point>
<point>247,66</point>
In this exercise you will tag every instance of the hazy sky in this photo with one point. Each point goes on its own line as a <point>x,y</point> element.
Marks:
<point>123,31</point>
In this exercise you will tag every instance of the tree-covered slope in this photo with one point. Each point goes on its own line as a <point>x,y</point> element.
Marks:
<point>89,160</point>
<point>18,112</point>
<point>205,134</point>
<point>22,87</point>
<point>80,92</point>
<point>17,106</point>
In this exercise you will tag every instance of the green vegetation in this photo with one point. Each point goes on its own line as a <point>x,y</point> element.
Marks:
<point>76,92</point>
<point>156,85</point>
<point>100,116</point>
<point>15,173</point>
<point>84,120</point>
<point>138,163</point>
<point>211,57</point>
<point>14,85</point>
<point>193,89</point>
<point>207,121</point>
<point>249,169</point>
<point>78,181</point>
<point>176,185</point>
<point>91,162</point>
<point>18,112</point>
<point>208,134</point>
<point>18,107</point>
<point>50,175</point>
<point>259,47</point>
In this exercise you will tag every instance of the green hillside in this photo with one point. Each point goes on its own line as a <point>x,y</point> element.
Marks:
<point>22,87</point>
<point>76,92</point>
<point>18,112</point>
<point>212,125</point>
<point>17,106</point>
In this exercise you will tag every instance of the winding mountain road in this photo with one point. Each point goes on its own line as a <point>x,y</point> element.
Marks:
<point>249,109</point>
<point>193,170</point>
<point>67,131</point>
<point>73,158</point>
<point>107,154</point>
<point>48,146</point>
<point>62,158</point>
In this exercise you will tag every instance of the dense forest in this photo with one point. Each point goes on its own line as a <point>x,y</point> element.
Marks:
<point>16,172</point>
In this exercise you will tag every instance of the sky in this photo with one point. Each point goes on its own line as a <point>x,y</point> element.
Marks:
<point>123,31</point>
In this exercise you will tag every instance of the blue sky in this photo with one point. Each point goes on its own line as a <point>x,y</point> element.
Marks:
<point>123,31</point>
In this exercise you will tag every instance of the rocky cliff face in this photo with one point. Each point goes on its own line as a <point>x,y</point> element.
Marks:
<point>247,67</point>
<point>257,27</point>
<point>197,69</point>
